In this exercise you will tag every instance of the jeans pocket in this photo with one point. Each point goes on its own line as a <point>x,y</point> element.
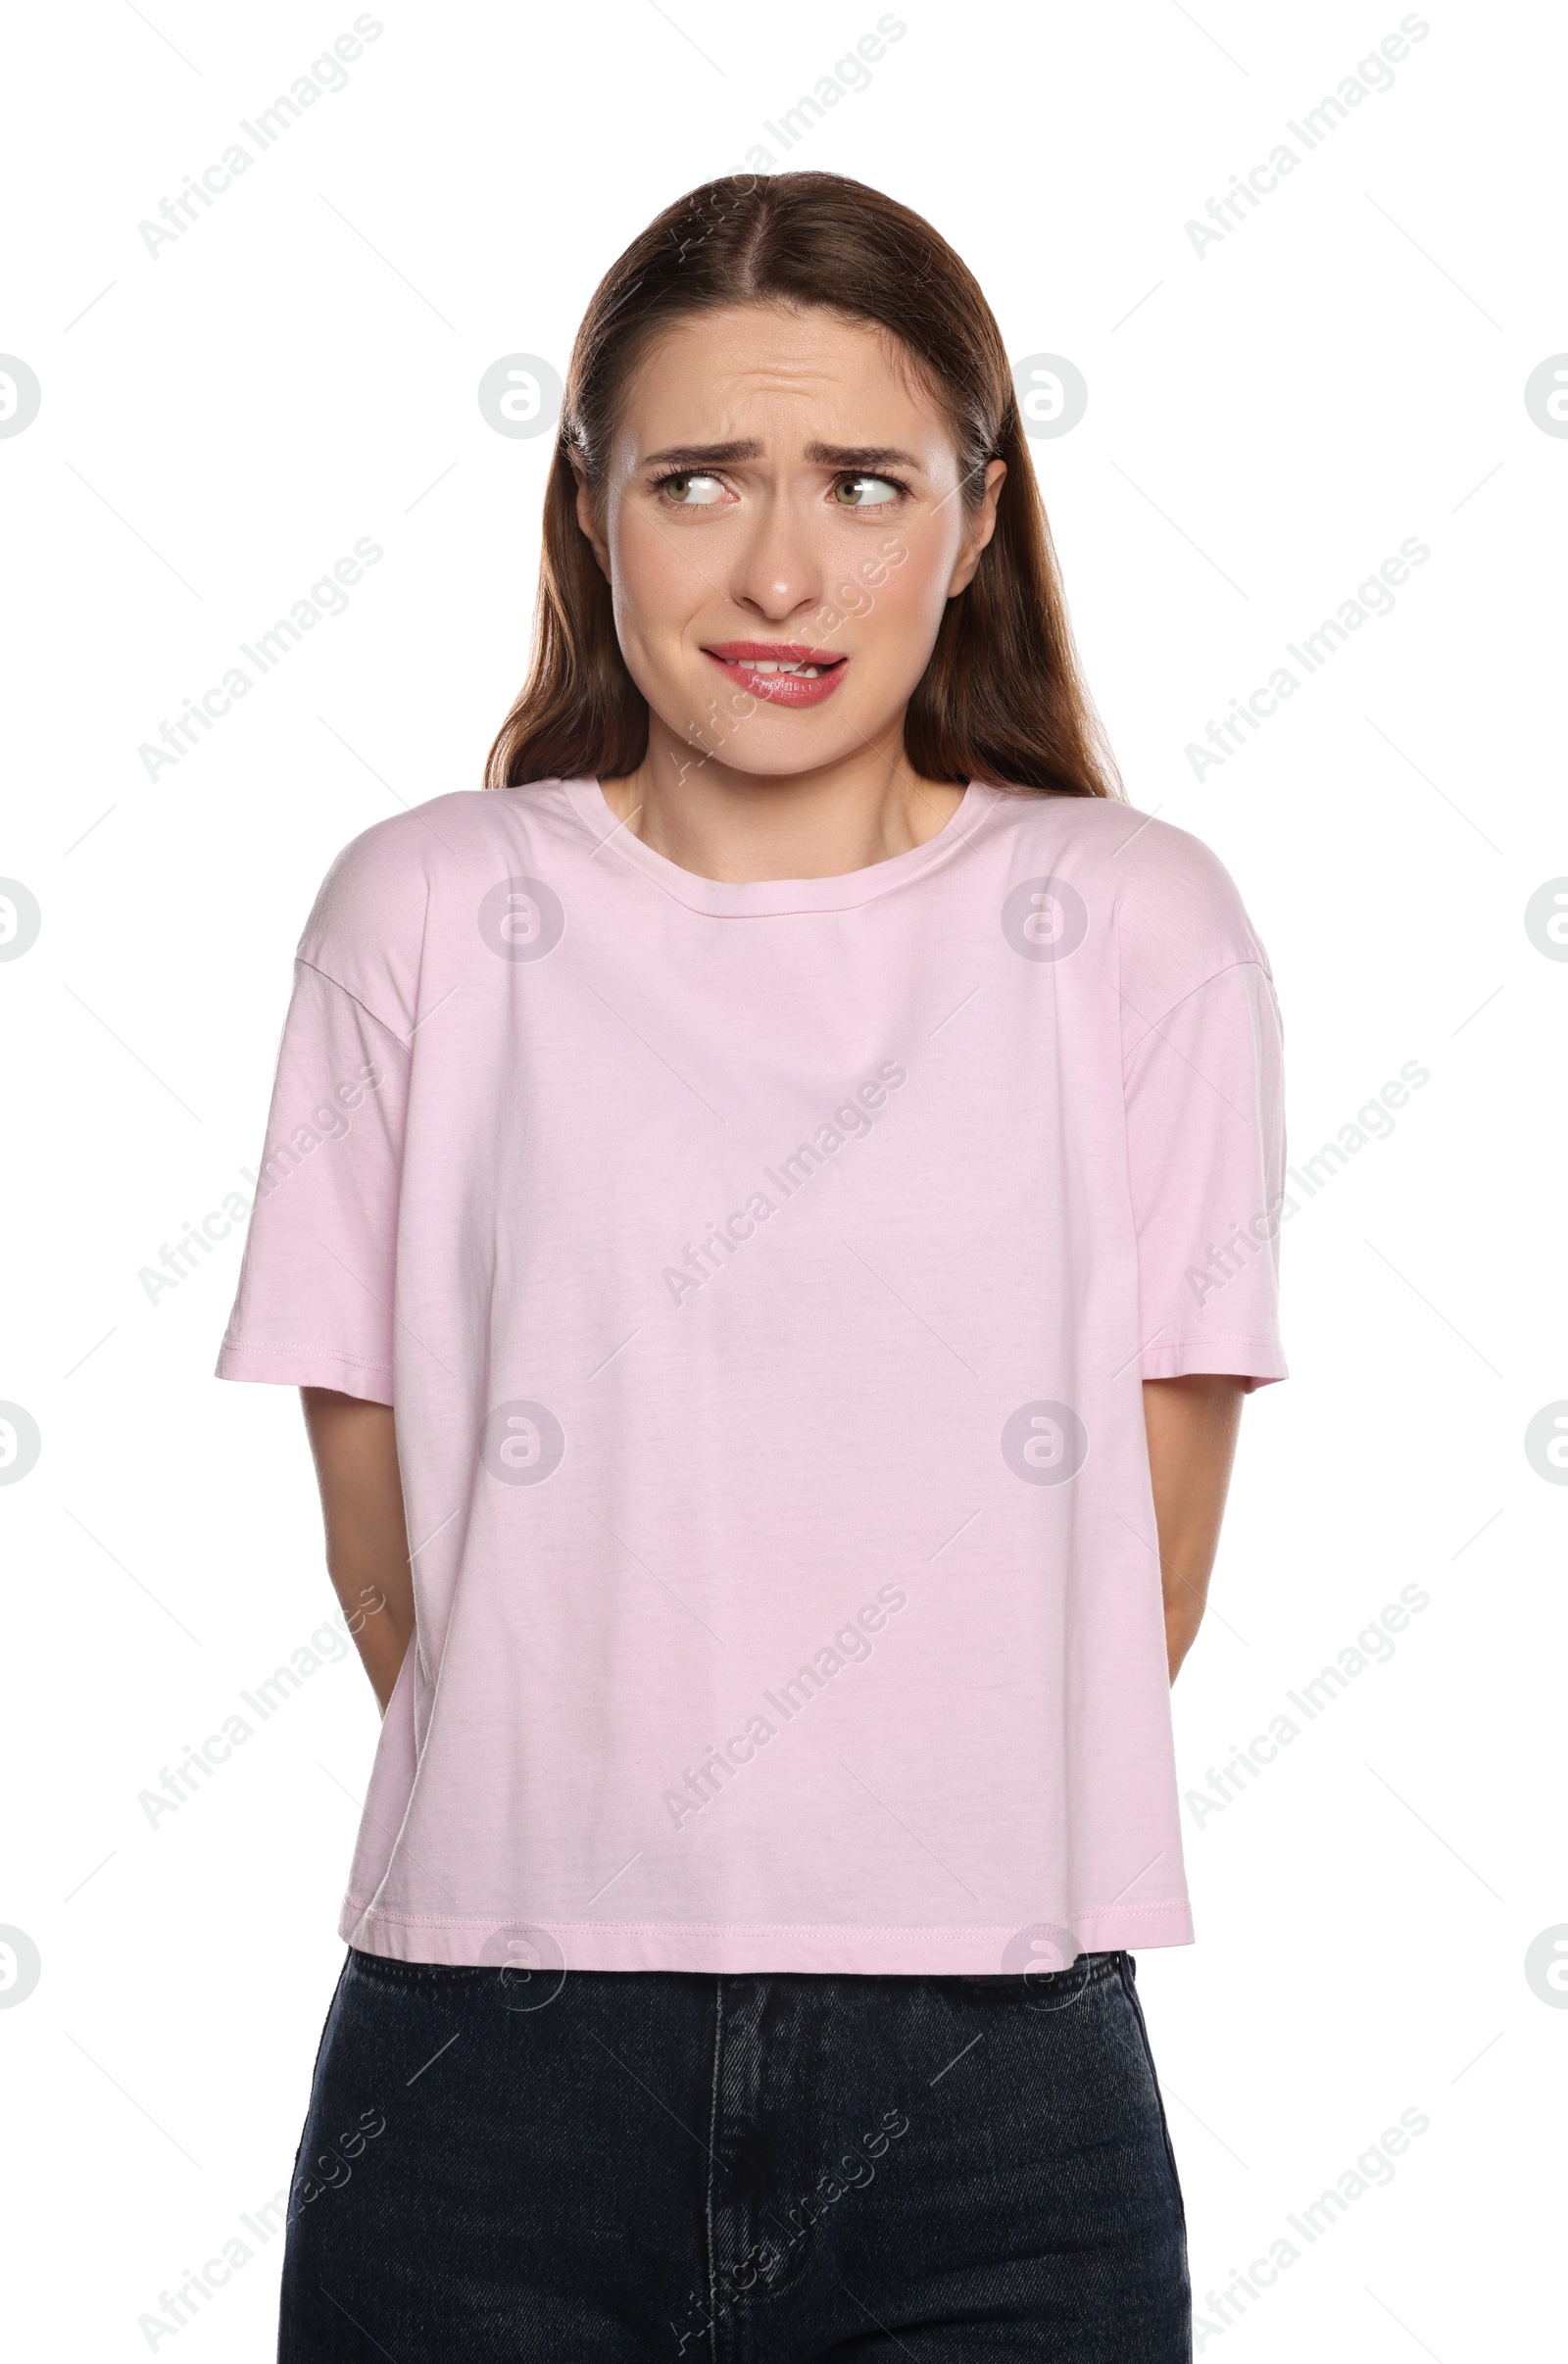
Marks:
<point>1040,1990</point>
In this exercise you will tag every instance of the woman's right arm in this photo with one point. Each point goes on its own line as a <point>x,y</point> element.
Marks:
<point>356,1451</point>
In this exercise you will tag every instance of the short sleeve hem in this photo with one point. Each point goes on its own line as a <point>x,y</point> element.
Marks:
<point>306,1366</point>
<point>1255,1361</point>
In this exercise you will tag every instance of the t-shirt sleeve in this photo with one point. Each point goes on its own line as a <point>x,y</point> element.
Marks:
<point>1205,1148</point>
<point>314,1302</point>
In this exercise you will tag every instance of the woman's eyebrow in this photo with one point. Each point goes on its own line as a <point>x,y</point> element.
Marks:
<point>858,455</point>
<point>820,455</point>
<point>703,454</point>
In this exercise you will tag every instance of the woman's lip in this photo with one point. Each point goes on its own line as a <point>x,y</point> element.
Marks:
<point>776,652</point>
<point>782,689</point>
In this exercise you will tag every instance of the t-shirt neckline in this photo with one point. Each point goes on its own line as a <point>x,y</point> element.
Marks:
<point>772,897</point>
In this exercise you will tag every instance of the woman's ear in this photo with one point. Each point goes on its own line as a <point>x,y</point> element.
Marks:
<point>587,516</point>
<point>983,525</point>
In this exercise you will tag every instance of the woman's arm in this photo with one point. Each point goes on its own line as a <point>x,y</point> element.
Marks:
<point>367,1543</point>
<point>1191,1426</point>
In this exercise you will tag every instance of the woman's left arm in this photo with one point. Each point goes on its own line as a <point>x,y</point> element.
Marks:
<point>1192,1424</point>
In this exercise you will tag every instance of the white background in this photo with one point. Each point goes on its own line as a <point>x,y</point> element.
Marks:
<point>1266,422</point>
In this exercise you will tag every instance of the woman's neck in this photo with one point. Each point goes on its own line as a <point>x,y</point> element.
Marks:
<point>720,822</point>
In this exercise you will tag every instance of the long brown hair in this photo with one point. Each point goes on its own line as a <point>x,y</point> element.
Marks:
<point>1001,699</point>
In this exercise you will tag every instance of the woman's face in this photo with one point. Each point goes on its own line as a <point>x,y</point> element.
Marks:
<point>781,495</point>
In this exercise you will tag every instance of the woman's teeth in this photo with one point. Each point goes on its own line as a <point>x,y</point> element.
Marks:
<point>761,664</point>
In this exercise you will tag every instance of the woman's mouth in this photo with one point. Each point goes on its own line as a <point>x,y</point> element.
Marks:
<point>784,673</point>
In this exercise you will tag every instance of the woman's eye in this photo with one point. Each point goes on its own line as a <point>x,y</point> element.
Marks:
<point>693,491</point>
<point>867,492</point>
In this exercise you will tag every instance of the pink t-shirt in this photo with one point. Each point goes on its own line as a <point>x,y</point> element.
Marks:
<point>764,1277</point>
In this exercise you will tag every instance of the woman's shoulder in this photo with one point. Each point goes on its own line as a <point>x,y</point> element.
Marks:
<point>420,869</point>
<point>426,850</point>
<point>1166,893</point>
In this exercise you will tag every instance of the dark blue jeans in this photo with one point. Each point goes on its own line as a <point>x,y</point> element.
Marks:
<point>770,2169</point>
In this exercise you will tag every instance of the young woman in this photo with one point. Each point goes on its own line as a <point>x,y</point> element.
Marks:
<point>772,1209</point>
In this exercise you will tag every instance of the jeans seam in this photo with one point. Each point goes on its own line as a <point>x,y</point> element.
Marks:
<point>1131,1992</point>
<point>320,2046</point>
<point>713,2150</point>
<point>415,1974</point>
